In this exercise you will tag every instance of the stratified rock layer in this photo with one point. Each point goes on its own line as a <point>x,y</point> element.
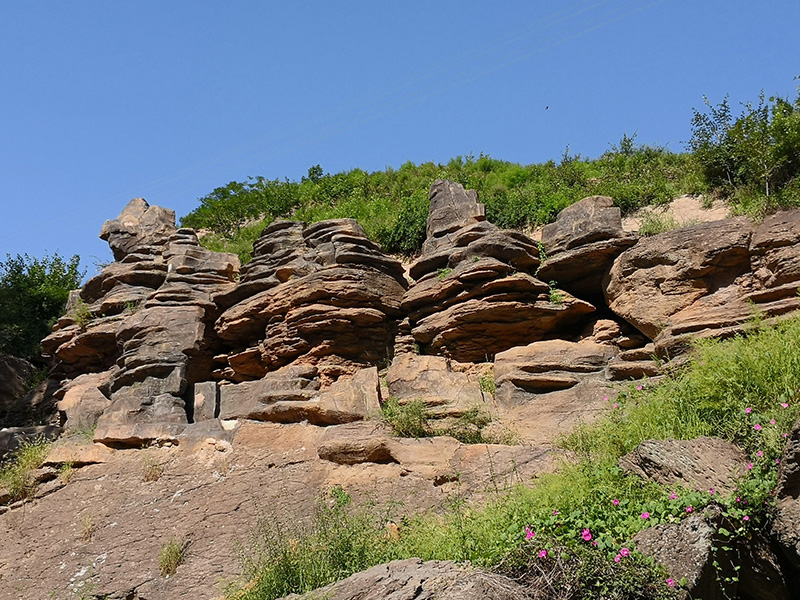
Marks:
<point>476,293</point>
<point>323,295</point>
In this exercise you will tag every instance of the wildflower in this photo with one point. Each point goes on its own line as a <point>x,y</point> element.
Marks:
<point>745,518</point>
<point>594,543</point>
<point>645,515</point>
<point>711,491</point>
<point>615,502</point>
<point>638,388</point>
<point>748,410</point>
<point>689,509</point>
<point>615,405</point>
<point>542,553</point>
<point>670,582</point>
<point>625,552</point>
<point>777,461</point>
<point>759,454</point>
<point>785,435</point>
<point>605,399</point>
<point>617,558</point>
<point>749,466</point>
<point>738,499</point>
<point>529,533</point>
<point>757,427</point>
<point>772,421</point>
<point>785,404</point>
<point>673,496</point>
<point>555,512</point>
<point>586,535</point>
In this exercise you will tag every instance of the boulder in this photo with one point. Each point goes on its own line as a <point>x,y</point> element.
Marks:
<point>700,464</point>
<point>37,407</point>
<point>413,579</point>
<point>582,244</point>
<point>139,228</point>
<point>548,366</point>
<point>786,525</point>
<point>476,293</point>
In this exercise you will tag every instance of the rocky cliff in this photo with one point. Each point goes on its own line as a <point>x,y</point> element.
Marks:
<point>173,345</point>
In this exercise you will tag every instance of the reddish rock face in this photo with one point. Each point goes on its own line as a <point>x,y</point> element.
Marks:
<point>476,292</point>
<point>323,295</point>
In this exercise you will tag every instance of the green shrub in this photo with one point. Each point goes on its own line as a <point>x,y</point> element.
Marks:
<point>409,419</point>
<point>16,474</point>
<point>33,293</point>
<point>170,556</point>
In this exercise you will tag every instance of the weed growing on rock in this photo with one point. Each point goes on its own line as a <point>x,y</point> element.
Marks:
<point>65,472</point>
<point>443,273</point>
<point>412,419</point>
<point>152,470</point>
<point>81,314</point>
<point>170,556</point>
<point>88,526</point>
<point>487,384</point>
<point>554,295</point>
<point>16,475</point>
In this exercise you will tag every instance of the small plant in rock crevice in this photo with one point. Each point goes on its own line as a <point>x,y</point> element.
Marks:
<point>554,295</point>
<point>412,419</point>
<point>152,470</point>
<point>171,555</point>
<point>16,474</point>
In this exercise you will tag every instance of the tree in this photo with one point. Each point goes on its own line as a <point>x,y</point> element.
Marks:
<point>33,293</point>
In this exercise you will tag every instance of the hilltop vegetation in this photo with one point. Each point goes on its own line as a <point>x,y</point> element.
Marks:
<point>752,160</point>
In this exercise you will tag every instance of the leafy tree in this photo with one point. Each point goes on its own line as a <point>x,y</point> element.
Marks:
<point>33,293</point>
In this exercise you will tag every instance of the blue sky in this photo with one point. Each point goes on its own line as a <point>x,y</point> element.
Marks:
<point>105,101</point>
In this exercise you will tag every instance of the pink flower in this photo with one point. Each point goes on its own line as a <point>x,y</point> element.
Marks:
<point>711,491</point>
<point>785,404</point>
<point>777,461</point>
<point>772,421</point>
<point>638,388</point>
<point>594,543</point>
<point>757,427</point>
<point>625,552</point>
<point>645,515</point>
<point>785,435</point>
<point>759,454</point>
<point>673,496</point>
<point>615,405</point>
<point>617,558</point>
<point>670,582</point>
<point>738,499</point>
<point>542,553</point>
<point>745,518</point>
<point>748,410</point>
<point>555,512</point>
<point>615,502</point>
<point>586,535</point>
<point>605,399</point>
<point>689,509</point>
<point>529,533</point>
<point>749,466</point>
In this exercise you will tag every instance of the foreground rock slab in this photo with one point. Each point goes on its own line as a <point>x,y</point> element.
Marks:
<point>414,579</point>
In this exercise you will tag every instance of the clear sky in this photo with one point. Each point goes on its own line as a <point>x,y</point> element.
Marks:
<point>105,101</point>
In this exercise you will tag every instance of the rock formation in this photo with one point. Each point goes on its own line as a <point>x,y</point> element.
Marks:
<point>475,292</point>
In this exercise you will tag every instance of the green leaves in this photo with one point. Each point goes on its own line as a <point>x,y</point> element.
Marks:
<point>33,293</point>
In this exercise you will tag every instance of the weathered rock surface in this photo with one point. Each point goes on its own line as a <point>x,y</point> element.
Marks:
<point>325,295</point>
<point>476,293</point>
<point>414,579</point>
<point>432,379</point>
<point>707,280</point>
<point>14,376</point>
<point>786,526</point>
<point>582,244</point>
<point>701,464</point>
<point>691,548</point>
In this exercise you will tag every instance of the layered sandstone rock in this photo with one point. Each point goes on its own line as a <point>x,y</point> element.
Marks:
<point>476,293</point>
<point>323,295</point>
<point>582,244</point>
<point>707,280</point>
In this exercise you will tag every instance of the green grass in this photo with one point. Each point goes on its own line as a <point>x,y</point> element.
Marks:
<point>412,419</point>
<point>170,556</point>
<point>710,396</point>
<point>16,474</point>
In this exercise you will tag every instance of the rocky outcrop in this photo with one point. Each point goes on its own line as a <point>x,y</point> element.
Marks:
<point>414,579</point>
<point>693,549</point>
<point>582,244</point>
<point>701,464</point>
<point>786,526</point>
<point>707,280</point>
<point>475,292</point>
<point>324,295</point>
